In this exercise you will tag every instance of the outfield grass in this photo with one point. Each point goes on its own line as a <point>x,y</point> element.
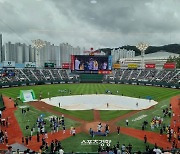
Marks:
<point>155,111</point>
<point>157,93</point>
<point>81,114</point>
<point>137,91</point>
<point>74,143</point>
<point>29,119</point>
<point>109,115</point>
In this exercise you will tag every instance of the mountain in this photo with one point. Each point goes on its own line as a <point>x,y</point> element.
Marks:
<point>173,48</point>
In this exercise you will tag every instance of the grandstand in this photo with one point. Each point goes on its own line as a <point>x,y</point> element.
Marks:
<point>169,78</point>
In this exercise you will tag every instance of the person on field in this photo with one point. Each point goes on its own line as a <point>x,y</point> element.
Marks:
<point>118,130</point>
<point>99,127</point>
<point>145,139</point>
<point>74,132</point>
<point>64,129</point>
<point>127,122</point>
<point>107,129</point>
<point>0,113</point>
<point>91,132</point>
<point>71,129</point>
<point>161,131</point>
<point>38,137</point>
<point>49,96</point>
<point>27,140</point>
<point>6,140</point>
<point>22,140</point>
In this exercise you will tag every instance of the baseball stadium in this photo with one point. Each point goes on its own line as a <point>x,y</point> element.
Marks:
<point>67,99</point>
<point>87,111</point>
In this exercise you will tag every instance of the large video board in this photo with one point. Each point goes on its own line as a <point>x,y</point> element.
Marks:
<point>90,64</point>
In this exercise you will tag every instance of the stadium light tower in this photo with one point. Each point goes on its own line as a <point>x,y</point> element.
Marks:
<point>142,47</point>
<point>38,44</point>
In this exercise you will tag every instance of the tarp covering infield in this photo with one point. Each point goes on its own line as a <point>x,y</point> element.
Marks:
<point>99,102</point>
<point>27,95</point>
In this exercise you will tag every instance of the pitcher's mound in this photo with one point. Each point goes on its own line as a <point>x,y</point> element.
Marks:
<point>93,125</point>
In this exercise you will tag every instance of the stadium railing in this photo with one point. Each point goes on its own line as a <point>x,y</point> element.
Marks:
<point>24,83</point>
<point>147,83</point>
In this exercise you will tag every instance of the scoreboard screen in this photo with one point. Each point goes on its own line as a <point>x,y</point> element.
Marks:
<point>49,65</point>
<point>90,63</point>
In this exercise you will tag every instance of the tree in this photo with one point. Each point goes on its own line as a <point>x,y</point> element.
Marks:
<point>178,61</point>
<point>170,59</point>
<point>174,59</point>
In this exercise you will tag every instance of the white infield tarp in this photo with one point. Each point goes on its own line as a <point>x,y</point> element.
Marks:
<point>99,102</point>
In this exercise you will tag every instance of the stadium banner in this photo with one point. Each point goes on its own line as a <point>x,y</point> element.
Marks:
<point>30,64</point>
<point>132,66</point>
<point>49,65</point>
<point>8,63</point>
<point>104,72</point>
<point>109,62</point>
<point>72,62</point>
<point>169,66</point>
<point>150,65</point>
<point>65,65</point>
<point>116,66</point>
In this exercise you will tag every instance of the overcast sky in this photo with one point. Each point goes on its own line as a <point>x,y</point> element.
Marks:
<point>106,23</point>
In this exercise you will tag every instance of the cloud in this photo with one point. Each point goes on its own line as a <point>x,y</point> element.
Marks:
<point>108,23</point>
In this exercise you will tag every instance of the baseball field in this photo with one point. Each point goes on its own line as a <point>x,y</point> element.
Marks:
<point>84,119</point>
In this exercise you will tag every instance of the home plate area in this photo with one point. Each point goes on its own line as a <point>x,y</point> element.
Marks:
<point>99,102</point>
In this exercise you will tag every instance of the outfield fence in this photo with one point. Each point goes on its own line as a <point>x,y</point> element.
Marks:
<point>146,83</point>
<point>89,80</point>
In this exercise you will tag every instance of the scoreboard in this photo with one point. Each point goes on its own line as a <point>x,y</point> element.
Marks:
<point>91,64</point>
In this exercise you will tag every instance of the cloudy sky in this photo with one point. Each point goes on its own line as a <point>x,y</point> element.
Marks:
<point>90,23</point>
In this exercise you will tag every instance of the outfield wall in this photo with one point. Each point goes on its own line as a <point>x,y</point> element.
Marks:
<point>145,83</point>
<point>91,78</point>
<point>95,80</point>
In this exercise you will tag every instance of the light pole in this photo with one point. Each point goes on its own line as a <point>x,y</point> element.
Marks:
<point>142,47</point>
<point>38,44</point>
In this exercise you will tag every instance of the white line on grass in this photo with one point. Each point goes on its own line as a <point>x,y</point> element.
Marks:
<point>163,106</point>
<point>155,111</point>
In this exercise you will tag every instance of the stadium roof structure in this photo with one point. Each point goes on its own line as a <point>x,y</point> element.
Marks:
<point>157,55</point>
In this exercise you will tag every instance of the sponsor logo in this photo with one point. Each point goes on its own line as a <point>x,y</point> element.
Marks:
<point>139,118</point>
<point>96,142</point>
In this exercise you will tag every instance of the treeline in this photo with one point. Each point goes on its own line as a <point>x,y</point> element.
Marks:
<point>174,59</point>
